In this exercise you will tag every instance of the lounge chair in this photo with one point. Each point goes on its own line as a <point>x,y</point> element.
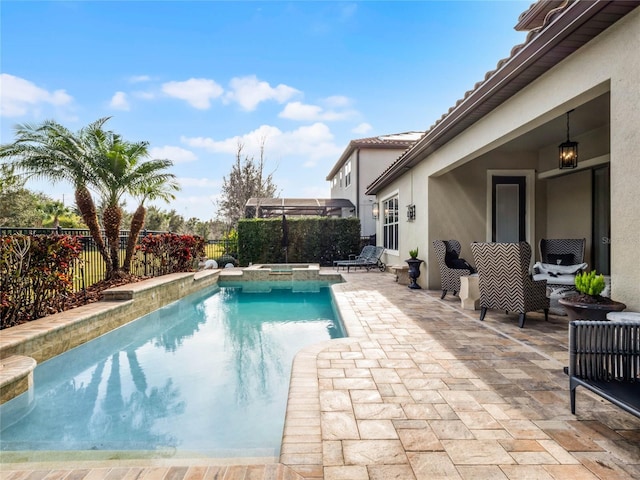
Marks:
<point>368,258</point>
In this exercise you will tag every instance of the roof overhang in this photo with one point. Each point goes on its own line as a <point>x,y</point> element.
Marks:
<point>569,29</point>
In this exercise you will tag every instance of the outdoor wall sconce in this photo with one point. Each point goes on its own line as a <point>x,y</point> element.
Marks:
<point>376,210</point>
<point>411,213</point>
<point>568,151</point>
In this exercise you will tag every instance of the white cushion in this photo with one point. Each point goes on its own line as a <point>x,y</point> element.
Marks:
<point>559,269</point>
<point>559,280</point>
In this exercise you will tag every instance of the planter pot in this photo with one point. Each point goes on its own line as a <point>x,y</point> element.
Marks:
<point>414,272</point>
<point>579,310</point>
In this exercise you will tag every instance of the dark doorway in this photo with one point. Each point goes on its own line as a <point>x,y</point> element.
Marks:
<point>509,209</point>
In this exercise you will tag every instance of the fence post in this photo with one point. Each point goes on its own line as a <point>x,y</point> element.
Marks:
<point>144,234</point>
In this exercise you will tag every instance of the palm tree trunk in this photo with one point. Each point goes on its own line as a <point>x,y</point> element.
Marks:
<point>112,219</point>
<point>137,222</point>
<point>90,218</point>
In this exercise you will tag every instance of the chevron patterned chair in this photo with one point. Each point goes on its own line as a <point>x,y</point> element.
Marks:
<point>504,281</point>
<point>449,277</point>
<point>560,260</point>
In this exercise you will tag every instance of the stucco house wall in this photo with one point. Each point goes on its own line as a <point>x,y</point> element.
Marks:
<point>368,158</point>
<point>455,202</point>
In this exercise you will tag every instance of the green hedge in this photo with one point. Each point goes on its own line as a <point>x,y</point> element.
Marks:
<point>311,240</point>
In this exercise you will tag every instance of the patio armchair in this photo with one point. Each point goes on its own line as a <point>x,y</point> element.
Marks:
<point>504,281</point>
<point>560,260</point>
<point>450,274</point>
<point>369,257</point>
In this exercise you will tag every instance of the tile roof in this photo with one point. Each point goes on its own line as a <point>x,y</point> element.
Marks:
<point>556,33</point>
<point>392,141</point>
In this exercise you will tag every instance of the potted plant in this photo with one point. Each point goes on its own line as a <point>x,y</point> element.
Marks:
<point>414,268</point>
<point>588,304</point>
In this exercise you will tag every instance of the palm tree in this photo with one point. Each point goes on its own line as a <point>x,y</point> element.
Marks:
<point>93,159</point>
<point>51,151</point>
<point>120,170</point>
<point>155,190</point>
<point>54,209</point>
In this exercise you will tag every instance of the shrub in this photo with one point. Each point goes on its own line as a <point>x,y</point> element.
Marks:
<point>310,240</point>
<point>170,253</point>
<point>590,283</point>
<point>35,275</point>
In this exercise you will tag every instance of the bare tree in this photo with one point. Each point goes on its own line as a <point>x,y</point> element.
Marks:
<point>246,180</point>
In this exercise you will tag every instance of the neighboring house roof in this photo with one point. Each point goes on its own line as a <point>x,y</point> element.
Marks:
<point>273,207</point>
<point>394,141</point>
<point>563,30</point>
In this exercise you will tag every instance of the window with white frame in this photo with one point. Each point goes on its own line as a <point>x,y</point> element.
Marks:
<point>390,223</point>
<point>340,178</point>
<point>347,174</point>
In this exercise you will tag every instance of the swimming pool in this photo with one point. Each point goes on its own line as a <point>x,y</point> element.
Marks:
<point>206,375</point>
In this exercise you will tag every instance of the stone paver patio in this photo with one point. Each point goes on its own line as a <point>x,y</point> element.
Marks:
<point>422,390</point>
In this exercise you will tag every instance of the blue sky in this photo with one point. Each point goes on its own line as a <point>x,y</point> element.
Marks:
<point>195,78</point>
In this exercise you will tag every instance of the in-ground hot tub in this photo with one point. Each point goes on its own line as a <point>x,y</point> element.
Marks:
<point>282,272</point>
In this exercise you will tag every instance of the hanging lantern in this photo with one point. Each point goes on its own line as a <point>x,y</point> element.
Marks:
<point>568,151</point>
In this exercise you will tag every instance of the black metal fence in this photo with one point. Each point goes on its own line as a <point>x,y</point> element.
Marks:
<point>91,267</point>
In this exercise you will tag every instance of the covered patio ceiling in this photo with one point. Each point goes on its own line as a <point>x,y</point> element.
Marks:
<point>584,118</point>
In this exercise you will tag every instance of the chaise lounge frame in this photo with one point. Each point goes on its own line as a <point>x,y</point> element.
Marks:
<point>369,258</point>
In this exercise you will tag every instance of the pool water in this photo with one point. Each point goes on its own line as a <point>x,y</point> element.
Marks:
<point>208,374</point>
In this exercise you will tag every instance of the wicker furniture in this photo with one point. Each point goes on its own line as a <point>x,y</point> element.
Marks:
<point>604,357</point>
<point>449,277</point>
<point>503,270</point>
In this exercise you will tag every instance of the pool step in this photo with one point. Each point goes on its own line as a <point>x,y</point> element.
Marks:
<point>16,376</point>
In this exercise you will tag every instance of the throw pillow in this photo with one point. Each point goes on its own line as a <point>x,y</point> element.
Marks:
<point>449,258</point>
<point>561,258</point>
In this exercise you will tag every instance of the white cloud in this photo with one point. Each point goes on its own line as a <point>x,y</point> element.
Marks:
<point>337,101</point>
<point>197,92</point>
<point>305,144</point>
<point>139,78</point>
<point>21,97</point>
<point>300,111</point>
<point>347,11</point>
<point>119,101</point>
<point>199,182</point>
<point>176,154</point>
<point>248,92</point>
<point>203,207</point>
<point>251,141</point>
<point>303,112</point>
<point>362,128</point>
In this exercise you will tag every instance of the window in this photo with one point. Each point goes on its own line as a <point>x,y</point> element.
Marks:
<point>340,178</point>
<point>390,226</point>
<point>347,174</point>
